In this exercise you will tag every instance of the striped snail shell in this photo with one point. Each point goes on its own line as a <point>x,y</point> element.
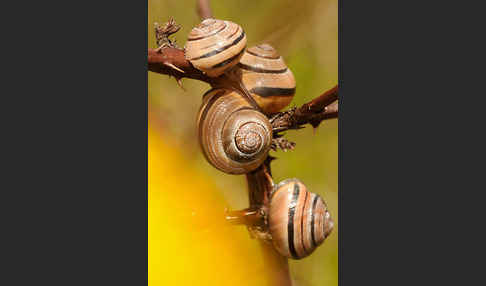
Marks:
<point>234,137</point>
<point>299,220</point>
<point>267,78</point>
<point>214,46</point>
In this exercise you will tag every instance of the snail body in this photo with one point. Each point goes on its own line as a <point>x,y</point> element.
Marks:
<point>214,46</point>
<point>234,137</point>
<point>298,219</point>
<point>268,79</point>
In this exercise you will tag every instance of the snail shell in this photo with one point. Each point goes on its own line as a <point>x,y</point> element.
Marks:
<point>214,46</point>
<point>298,219</point>
<point>267,77</point>
<point>234,137</point>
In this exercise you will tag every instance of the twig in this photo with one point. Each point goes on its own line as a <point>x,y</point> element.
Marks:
<point>329,112</point>
<point>260,186</point>
<point>171,61</point>
<point>313,112</point>
<point>204,9</point>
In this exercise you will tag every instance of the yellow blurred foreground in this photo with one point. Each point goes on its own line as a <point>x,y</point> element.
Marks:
<point>189,243</point>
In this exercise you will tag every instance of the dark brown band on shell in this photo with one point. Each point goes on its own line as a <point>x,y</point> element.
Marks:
<point>222,49</point>
<point>218,94</point>
<point>272,91</point>
<point>260,70</point>
<point>223,63</point>
<point>227,38</point>
<point>290,225</point>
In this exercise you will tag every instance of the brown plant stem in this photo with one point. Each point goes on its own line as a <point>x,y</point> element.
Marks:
<point>260,186</point>
<point>312,112</point>
<point>204,9</point>
<point>165,59</point>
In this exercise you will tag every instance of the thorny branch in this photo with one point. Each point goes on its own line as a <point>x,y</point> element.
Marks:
<point>313,112</point>
<point>170,60</point>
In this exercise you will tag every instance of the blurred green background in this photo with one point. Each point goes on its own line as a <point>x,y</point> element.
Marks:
<point>306,34</point>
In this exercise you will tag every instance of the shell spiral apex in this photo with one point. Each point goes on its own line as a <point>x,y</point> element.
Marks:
<point>214,46</point>
<point>234,137</point>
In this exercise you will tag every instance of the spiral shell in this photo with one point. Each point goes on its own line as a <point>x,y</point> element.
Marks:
<point>267,77</point>
<point>234,137</point>
<point>214,46</point>
<point>298,219</point>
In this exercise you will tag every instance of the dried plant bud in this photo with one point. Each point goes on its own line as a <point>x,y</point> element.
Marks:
<point>282,143</point>
<point>162,33</point>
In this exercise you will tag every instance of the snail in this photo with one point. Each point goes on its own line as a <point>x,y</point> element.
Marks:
<point>234,137</point>
<point>214,46</point>
<point>298,220</point>
<point>268,79</point>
